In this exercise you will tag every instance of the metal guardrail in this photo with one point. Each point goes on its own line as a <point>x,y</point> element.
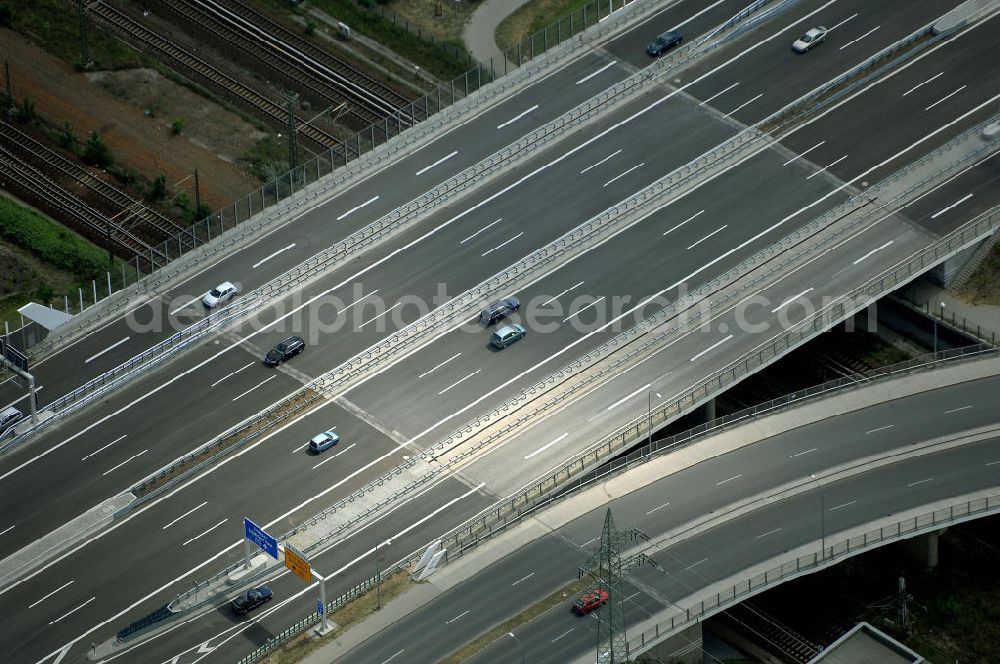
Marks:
<point>377,231</point>
<point>834,553</point>
<point>809,229</point>
<point>393,221</point>
<point>617,440</point>
<point>751,361</point>
<point>659,447</point>
<point>202,241</point>
<point>573,476</point>
<point>497,519</point>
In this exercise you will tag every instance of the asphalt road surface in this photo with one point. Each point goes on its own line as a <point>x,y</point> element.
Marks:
<point>221,382</point>
<point>544,566</point>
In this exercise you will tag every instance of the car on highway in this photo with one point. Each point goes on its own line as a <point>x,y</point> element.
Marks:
<point>323,441</point>
<point>812,37</point>
<point>499,310</point>
<point>251,599</point>
<point>9,418</point>
<point>590,600</point>
<point>507,335</point>
<point>664,43</point>
<point>290,347</point>
<point>221,294</point>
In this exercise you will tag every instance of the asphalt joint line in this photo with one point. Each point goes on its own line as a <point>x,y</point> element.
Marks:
<point>375,423</point>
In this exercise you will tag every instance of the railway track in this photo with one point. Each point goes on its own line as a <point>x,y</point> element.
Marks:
<point>51,196</point>
<point>156,226</point>
<point>279,58</point>
<point>348,80</point>
<point>201,71</point>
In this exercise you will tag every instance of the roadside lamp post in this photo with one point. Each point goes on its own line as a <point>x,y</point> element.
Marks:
<point>935,331</point>
<point>519,646</point>
<point>822,516</point>
<point>649,415</point>
<point>378,575</point>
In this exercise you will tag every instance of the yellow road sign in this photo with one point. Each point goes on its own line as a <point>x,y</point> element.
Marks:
<point>296,562</point>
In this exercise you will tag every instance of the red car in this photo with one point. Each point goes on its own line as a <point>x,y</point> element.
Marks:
<point>590,600</point>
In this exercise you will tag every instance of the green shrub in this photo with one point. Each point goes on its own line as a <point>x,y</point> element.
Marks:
<point>50,242</point>
<point>177,126</point>
<point>127,176</point>
<point>44,293</point>
<point>157,189</point>
<point>25,111</point>
<point>67,137</point>
<point>96,152</point>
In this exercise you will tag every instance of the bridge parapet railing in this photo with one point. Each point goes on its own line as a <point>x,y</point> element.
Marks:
<point>833,553</point>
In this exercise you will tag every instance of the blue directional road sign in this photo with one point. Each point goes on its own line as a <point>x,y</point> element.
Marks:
<point>319,607</point>
<point>256,534</point>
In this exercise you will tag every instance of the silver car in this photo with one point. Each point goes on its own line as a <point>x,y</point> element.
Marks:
<point>812,37</point>
<point>323,441</point>
<point>221,294</point>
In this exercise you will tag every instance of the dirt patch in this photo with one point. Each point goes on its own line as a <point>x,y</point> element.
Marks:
<point>113,103</point>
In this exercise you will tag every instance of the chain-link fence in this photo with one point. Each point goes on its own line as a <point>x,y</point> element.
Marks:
<point>381,229</point>
<point>410,127</point>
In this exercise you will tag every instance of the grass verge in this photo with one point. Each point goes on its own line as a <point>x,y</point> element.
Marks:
<point>352,613</point>
<point>555,599</point>
<point>56,27</point>
<point>50,242</point>
<point>445,59</point>
<point>532,17</point>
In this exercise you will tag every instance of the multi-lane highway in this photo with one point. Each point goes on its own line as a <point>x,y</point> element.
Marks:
<point>192,531</point>
<point>545,565</point>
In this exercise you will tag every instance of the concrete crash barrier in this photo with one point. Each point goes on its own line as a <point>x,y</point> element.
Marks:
<point>45,548</point>
<point>965,13</point>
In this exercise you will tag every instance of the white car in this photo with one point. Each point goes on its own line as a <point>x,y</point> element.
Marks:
<point>812,37</point>
<point>221,294</point>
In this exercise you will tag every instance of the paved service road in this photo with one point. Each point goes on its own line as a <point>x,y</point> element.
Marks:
<point>547,564</point>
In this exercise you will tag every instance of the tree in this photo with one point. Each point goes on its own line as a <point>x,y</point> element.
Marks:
<point>157,190</point>
<point>25,111</point>
<point>96,152</point>
<point>67,137</point>
<point>177,126</point>
<point>44,292</point>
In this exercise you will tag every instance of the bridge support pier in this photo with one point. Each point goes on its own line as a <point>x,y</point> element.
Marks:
<point>708,410</point>
<point>682,648</point>
<point>924,548</point>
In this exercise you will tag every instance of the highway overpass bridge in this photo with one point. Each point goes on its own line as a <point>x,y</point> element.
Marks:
<point>784,493</point>
<point>667,195</point>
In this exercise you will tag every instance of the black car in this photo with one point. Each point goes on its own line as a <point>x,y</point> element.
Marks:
<point>251,600</point>
<point>286,349</point>
<point>664,43</point>
<point>499,310</point>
